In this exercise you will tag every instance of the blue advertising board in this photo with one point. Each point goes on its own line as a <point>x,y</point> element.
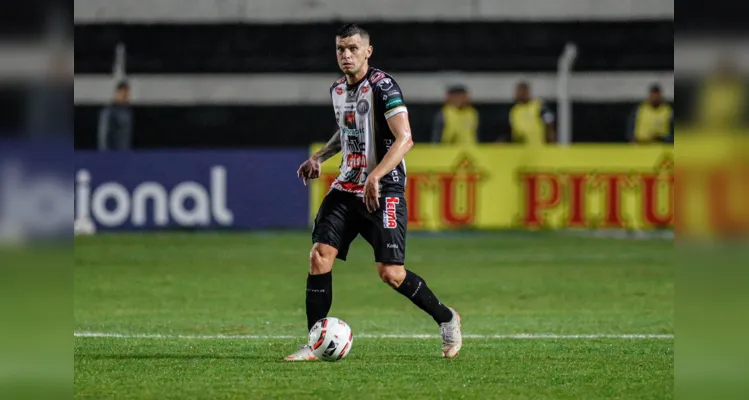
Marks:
<point>204,189</point>
<point>36,190</point>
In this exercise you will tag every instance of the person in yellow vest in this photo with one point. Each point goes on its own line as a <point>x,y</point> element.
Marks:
<point>653,120</point>
<point>722,99</point>
<point>457,123</point>
<point>531,121</point>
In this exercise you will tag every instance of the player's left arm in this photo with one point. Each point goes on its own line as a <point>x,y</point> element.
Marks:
<point>401,129</point>
<point>389,101</point>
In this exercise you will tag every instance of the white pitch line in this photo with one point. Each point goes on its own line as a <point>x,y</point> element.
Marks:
<point>371,336</point>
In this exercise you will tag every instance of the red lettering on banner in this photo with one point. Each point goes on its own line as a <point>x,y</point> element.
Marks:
<point>577,200</point>
<point>535,200</point>
<point>390,216</point>
<point>328,179</point>
<point>613,217</point>
<point>720,207</point>
<point>650,202</point>
<point>448,188</point>
<point>413,199</point>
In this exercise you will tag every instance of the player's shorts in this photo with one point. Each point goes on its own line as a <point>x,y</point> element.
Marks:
<point>342,216</point>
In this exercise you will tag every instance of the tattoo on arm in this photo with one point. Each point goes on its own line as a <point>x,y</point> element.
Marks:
<point>331,148</point>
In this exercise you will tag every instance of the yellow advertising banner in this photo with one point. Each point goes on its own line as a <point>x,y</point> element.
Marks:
<point>501,186</point>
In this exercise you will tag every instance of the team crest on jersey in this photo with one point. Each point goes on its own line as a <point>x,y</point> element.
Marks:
<point>377,76</point>
<point>389,214</point>
<point>339,90</point>
<point>362,107</point>
<point>364,89</point>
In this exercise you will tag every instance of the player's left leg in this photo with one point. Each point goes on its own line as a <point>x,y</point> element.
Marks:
<point>413,287</point>
<point>385,230</point>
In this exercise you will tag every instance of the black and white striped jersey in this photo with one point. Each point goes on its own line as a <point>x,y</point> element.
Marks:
<point>362,110</point>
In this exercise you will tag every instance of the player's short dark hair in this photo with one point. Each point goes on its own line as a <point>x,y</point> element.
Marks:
<point>122,85</point>
<point>523,85</point>
<point>655,88</point>
<point>349,30</point>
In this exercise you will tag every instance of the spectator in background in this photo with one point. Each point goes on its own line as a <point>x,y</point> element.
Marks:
<point>722,99</point>
<point>116,121</point>
<point>653,120</point>
<point>458,121</point>
<point>531,121</point>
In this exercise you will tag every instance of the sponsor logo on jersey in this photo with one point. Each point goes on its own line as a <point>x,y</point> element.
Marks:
<point>364,89</point>
<point>386,84</point>
<point>356,161</point>
<point>389,216</point>
<point>377,76</point>
<point>352,131</point>
<point>394,102</point>
<point>362,107</point>
<point>355,145</point>
<point>350,117</point>
<point>339,90</point>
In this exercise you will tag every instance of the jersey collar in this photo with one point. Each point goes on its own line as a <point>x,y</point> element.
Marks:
<point>353,85</point>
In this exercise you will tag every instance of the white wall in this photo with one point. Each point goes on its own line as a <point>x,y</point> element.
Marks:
<point>275,11</point>
<point>288,89</point>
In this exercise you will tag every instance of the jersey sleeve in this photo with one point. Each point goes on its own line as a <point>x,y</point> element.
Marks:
<point>388,97</point>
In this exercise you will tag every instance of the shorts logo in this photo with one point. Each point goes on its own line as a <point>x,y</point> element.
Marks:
<point>389,216</point>
<point>362,107</point>
<point>339,90</point>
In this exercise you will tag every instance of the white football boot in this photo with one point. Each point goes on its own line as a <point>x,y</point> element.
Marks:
<point>303,354</point>
<point>452,338</point>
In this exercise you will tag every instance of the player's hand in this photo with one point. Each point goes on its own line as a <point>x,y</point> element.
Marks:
<point>372,193</point>
<point>309,170</point>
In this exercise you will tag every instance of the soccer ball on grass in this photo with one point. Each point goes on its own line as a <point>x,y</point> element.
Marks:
<point>331,339</point>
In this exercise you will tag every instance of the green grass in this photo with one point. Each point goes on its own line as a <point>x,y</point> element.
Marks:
<point>253,284</point>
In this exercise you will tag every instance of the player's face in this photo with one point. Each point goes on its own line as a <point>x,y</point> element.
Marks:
<point>352,53</point>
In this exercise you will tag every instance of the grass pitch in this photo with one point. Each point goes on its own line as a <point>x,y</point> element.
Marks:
<point>219,312</point>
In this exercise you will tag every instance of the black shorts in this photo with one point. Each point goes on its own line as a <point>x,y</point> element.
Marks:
<point>342,216</point>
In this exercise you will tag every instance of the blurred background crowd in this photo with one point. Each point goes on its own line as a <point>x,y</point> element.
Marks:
<point>240,73</point>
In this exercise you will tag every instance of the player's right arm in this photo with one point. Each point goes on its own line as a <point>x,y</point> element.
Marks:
<point>330,149</point>
<point>310,169</point>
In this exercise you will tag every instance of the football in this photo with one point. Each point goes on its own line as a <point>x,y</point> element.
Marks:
<point>331,339</point>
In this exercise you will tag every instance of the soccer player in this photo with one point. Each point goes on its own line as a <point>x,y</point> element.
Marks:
<point>367,198</point>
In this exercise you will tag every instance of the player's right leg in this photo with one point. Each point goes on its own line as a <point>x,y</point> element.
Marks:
<point>319,296</point>
<point>332,234</point>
